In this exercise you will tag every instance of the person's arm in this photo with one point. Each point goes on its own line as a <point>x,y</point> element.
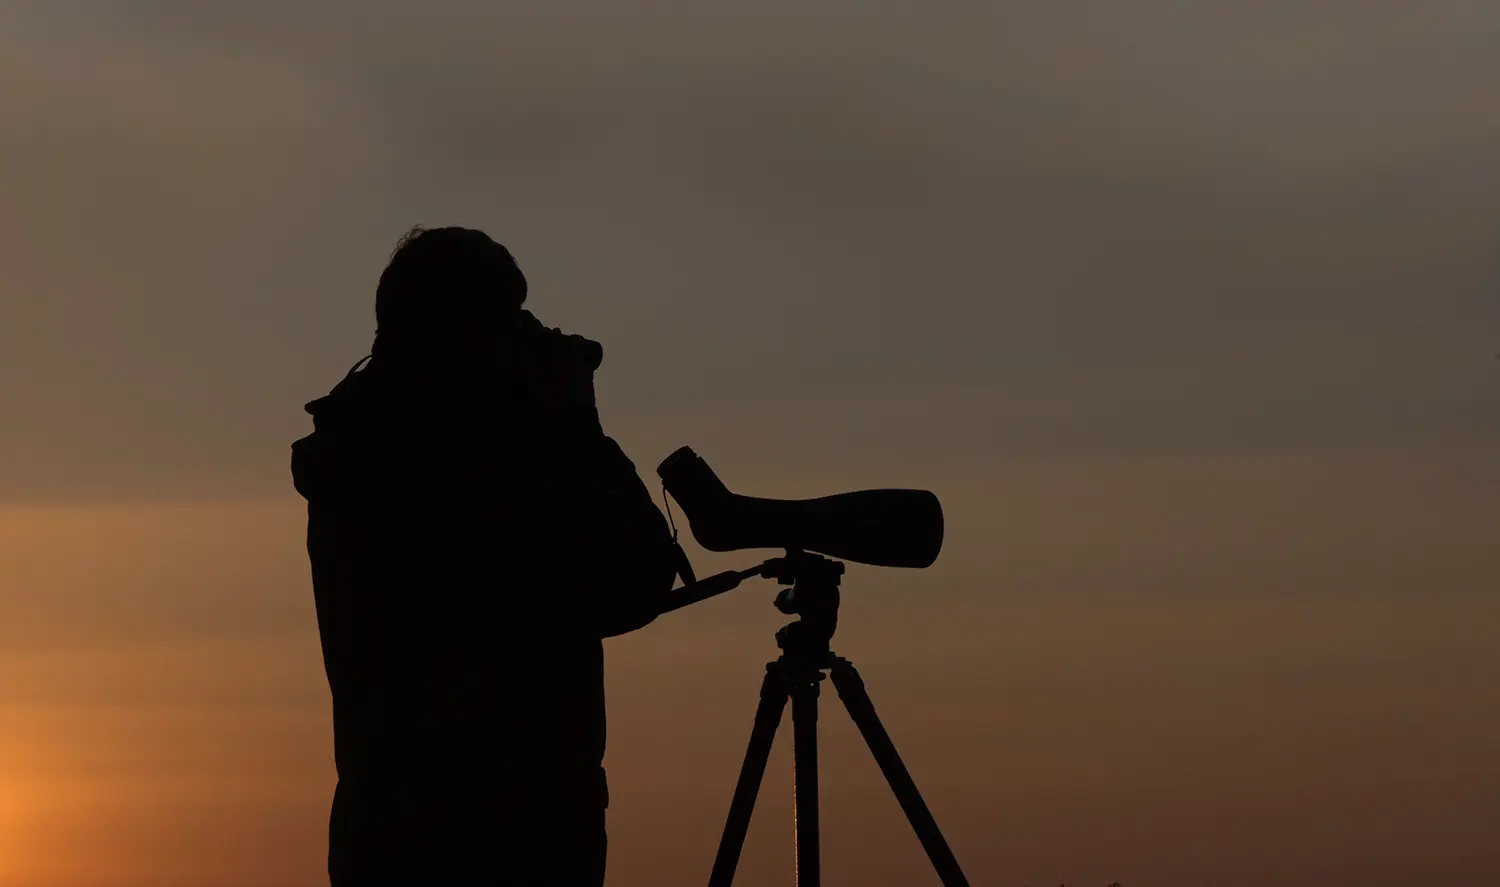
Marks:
<point>608,543</point>
<point>605,538</point>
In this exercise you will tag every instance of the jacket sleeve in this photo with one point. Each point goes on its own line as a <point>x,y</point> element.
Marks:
<point>611,549</point>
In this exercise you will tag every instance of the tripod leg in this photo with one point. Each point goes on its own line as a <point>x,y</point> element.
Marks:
<point>805,787</point>
<point>851,689</point>
<point>773,696</point>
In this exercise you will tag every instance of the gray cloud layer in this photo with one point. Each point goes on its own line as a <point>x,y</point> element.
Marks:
<point>1047,228</point>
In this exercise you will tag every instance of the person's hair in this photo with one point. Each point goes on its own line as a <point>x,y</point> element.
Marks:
<point>441,284</point>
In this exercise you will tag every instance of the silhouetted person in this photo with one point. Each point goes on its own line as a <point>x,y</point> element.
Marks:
<point>473,536</point>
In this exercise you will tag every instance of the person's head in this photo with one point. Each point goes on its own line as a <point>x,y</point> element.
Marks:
<point>447,294</point>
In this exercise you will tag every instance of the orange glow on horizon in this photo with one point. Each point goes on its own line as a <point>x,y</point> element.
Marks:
<point>164,717</point>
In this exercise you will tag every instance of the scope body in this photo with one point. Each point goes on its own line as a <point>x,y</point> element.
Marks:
<point>886,528</point>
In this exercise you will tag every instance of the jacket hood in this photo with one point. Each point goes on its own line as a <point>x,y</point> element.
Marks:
<point>372,400</point>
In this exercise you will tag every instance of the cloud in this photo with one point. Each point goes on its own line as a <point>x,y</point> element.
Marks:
<point>1132,227</point>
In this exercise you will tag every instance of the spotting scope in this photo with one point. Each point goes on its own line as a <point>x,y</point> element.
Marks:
<point>885,528</point>
<point>888,528</point>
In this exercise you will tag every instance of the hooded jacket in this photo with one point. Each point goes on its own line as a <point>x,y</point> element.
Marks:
<point>467,560</point>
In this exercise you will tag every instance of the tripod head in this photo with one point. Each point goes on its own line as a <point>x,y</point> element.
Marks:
<point>811,593</point>
<point>799,566</point>
<point>812,589</point>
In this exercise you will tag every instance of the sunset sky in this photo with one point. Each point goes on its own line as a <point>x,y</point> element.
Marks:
<point>1189,312</point>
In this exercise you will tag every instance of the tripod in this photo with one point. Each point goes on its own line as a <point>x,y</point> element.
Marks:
<point>813,596</point>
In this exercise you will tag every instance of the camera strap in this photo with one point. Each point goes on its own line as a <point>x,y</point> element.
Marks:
<point>684,566</point>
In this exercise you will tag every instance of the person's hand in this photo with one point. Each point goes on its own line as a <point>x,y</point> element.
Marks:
<point>556,376</point>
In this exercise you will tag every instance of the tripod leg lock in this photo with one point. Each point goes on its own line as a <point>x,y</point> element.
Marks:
<point>844,673</point>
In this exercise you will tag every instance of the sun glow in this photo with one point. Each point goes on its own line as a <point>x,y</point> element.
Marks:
<point>16,866</point>
<point>39,804</point>
<point>9,843</point>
